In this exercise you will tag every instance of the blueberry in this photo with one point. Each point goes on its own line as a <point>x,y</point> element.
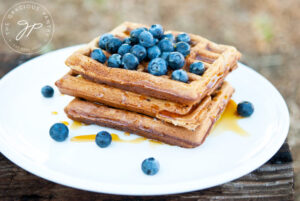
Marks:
<point>197,68</point>
<point>103,139</point>
<point>123,49</point>
<point>59,132</point>
<point>183,47</point>
<point>47,91</point>
<point>153,52</point>
<point>150,166</point>
<point>103,40</point>
<point>139,51</point>
<point>146,39</point>
<point>127,41</point>
<point>113,45</point>
<point>134,34</point>
<point>169,36</point>
<point>130,62</point>
<point>180,75</point>
<point>183,37</point>
<point>155,41</point>
<point>156,30</point>
<point>175,60</point>
<point>245,109</point>
<point>98,55</point>
<point>157,66</point>
<point>165,45</point>
<point>165,55</point>
<point>114,61</point>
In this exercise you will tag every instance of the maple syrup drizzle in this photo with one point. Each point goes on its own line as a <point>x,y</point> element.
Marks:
<point>76,125</point>
<point>229,121</point>
<point>65,122</point>
<point>115,138</point>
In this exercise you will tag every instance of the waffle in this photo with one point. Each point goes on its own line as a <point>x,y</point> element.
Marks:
<point>181,115</point>
<point>218,59</point>
<point>93,113</point>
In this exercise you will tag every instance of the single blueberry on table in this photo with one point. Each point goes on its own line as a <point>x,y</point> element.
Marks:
<point>47,91</point>
<point>103,139</point>
<point>139,51</point>
<point>103,40</point>
<point>165,55</point>
<point>245,109</point>
<point>134,34</point>
<point>169,36</point>
<point>130,62</point>
<point>165,45</point>
<point>183,37</point>
<point>157,66</point>
<point>113,45</point>
<point>59,132</point>
<point>123,49</point>
<point>153,52</point>
<point>197,68</point>
<point>183,47</point>
<point>156,30</point>
<point>180,75</point>
<point>146,39</point>
<point>98,55</point>
<point>176,60</point>
<point>114,61</point>
<point>150,166</point>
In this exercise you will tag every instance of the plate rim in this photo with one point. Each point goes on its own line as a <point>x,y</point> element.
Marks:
<point>139,190</point>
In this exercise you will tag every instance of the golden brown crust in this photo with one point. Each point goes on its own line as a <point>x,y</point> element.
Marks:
<point>92,113</point>
<point>218,60</point>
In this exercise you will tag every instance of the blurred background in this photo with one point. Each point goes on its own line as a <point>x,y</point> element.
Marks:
<point>267,32</point>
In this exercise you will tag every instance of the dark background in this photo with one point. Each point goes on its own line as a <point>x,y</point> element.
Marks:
<point>266,32</point>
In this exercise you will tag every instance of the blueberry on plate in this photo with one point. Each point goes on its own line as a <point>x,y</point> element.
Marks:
<point>157,66</point>
<point>245,109</point>
<point>134,34</point>
<point>197,68</point>
<point>175,60</point>
<point>59,132</point>
<point>165,55</point>
<point>123,49</point>
<point>103,40</point>
<point>130,62</point>
<point>113,45</point>
<point>114,61</point>
<point>153,52</point>
<point>169,36</point>
<point>150,166</point>
<point>165,45</point>
<point>183,47</point>
<point>103,139</point>
<point>98,55</point>
<point>146,39</point>
<point>180,75</point>
<point>47,91</point>
<point>156,30</point>
<point>183,37</point>
<point>139,51</point>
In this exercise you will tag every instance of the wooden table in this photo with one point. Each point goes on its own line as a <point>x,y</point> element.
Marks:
<point>272,181</point>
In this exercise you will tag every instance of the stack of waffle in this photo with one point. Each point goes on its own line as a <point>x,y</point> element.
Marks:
<point>155,107</point>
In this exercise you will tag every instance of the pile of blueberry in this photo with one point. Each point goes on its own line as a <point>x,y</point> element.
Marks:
<point>162,50</point>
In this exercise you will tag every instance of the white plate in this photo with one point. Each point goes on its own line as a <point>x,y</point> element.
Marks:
<point>26,118</point>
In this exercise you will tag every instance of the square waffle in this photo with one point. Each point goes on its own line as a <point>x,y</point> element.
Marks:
<point>218,61</point>
<point>94,113</point>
